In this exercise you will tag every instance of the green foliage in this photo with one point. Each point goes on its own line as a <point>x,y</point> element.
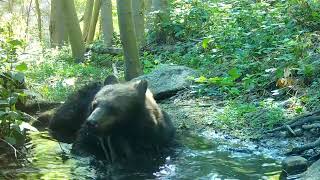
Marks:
<point>55,76</point>
<point>306,13</point>
<point>226,83</point>
<point>12,88</point>
<point>149,63</point>
<point>247,51</point>
<point>238,115</point>
<point>260,38</point>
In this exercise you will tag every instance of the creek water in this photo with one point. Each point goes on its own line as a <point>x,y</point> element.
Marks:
<point>205,155</point>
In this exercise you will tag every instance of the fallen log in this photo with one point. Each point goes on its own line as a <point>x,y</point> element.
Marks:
<point>298,122</point>
<point>312,145</point>
<point>108,50</point>
<point>311,126</point>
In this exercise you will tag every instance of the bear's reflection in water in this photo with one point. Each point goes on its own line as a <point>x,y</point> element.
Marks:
<point>119,123</point>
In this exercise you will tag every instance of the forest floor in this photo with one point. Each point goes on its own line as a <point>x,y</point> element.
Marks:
<point>246,116</point>
<point>200,114</point>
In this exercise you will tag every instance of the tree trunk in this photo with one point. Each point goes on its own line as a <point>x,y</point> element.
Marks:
<point>58,30</point>
<point>28,20</point>
<point>148,14</point>
<point>161,6</point>
<point>107,23</point>
<point>128,39</point>
<point>138,9</point>
<point>39,19</point>
<point>94,20</point>
<point>74,31</point>
<point>148,5</point>
<point>87,18</point>
<point>10,6</point>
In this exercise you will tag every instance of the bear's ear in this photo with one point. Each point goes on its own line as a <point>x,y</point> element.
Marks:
<point>111,79</point>
<point>141,86</point>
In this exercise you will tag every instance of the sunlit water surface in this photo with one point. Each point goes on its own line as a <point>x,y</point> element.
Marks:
<point>202,156</point>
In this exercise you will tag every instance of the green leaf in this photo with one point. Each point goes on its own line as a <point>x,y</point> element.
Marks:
<point>201,79</point>
<point>299,110</point>
<point>205,43</point>
<point>2,113</point>
<point>234,73</point>
<point>279,73</point>
<point>22,67</point>
<point>214,80</point>
<point>19,76</point>
<point>4,103</point>
<point>228,81</point>
<point>15,42</point>
<point>10,140</point>
<point>234,91</point>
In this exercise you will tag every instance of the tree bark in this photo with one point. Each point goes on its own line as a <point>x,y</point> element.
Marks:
<point>39,19</point>
<point>128,39</point>
<point>107,23</point>
<point>58,30</point>
<point>28,20</point>
<point>148,14</point>
<point>160,6</point>
<point>74,31</point>
<point>87,18</point>
<point>138,9</point>
<point>94,20</point>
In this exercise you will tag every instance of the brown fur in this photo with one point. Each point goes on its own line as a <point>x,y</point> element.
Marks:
<point>129,118</point>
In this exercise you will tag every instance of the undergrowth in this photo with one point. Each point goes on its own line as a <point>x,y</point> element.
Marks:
<point>250,51</point>
<point>256,54</point>
<point>54,75</point>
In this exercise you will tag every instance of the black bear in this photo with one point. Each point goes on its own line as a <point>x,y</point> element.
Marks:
<point>69,117</point>
<point>118,122</point>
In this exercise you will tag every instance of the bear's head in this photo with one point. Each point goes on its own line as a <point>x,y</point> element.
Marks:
<point>116,105</point>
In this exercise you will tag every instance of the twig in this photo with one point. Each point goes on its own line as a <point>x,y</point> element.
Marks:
<point>297,122</point>
<point>14,149</point>
<point>198,105</point>
<point>290,130</point>
<point>115,70</point>
<point>311,126</point>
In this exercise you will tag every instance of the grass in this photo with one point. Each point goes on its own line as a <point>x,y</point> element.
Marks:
<point>54,76</point>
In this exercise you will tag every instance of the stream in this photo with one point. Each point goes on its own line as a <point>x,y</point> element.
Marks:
<point>205,155</point>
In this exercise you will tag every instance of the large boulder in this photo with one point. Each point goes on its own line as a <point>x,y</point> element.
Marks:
<point>294,165</point>
<point>313,172</point>
<point>167,80</point>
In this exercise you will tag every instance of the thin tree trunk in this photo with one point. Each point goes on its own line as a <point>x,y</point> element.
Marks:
<point>39,19</point>
<point>58,30</point>
<point>128,39</point>
<point>28,20</point>
<point>10,6</point>
<point>161,6</point>
<point>74,30</point>
<point>138,9</point>
<point>148,14</point>
<point>107,22</point>
<point>87,18</point>
<point>94,20</point>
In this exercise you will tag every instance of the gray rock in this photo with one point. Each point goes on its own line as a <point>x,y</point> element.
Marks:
<point>294,165</point>
<point>313,172</point>
<point>167,80</point>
